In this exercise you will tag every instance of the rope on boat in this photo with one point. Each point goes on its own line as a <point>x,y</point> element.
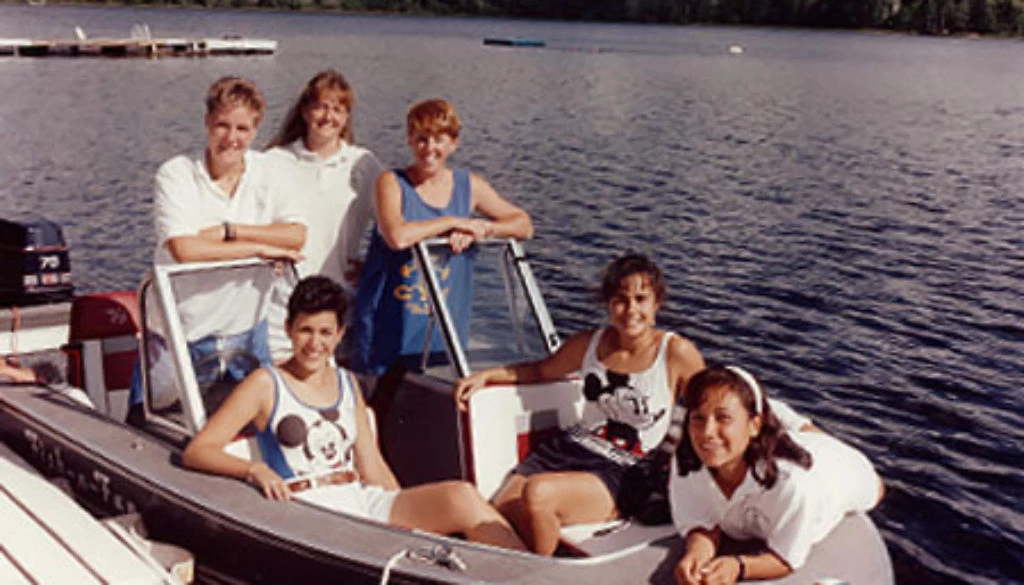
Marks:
<point>439,554</point>
<point>386,575</point>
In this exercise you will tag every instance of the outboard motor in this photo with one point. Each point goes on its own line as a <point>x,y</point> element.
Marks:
<point>34,264</point>
<point>103,347</point>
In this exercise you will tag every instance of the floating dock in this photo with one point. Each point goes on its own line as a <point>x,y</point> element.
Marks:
<point>137,47</point>
<point>513,42</point>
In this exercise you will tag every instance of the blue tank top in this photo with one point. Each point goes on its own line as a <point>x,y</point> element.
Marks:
<point>391,309</point>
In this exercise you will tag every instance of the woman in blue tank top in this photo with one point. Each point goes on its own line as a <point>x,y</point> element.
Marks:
<point>426,199</point>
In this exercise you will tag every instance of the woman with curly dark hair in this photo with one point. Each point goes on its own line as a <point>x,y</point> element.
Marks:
<point>632,373</point>
<point>314,439</point>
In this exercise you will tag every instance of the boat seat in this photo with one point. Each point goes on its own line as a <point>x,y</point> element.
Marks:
<point>244,447</point>
<point>504,422</point>
<point>102,348</point>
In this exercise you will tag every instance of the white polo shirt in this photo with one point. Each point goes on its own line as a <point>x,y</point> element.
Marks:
<point>336,195</point>
<point>187,200</point>
<point>801,508</point>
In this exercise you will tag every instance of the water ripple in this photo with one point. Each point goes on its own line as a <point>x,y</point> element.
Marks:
<point>838,212</point>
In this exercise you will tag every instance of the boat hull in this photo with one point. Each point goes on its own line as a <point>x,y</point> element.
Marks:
<point>114,469</point>
<point>234,531</point>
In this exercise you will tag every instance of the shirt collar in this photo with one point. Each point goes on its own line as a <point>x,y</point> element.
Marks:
<point>298,147</point>
<point>749,485</point>
<point>204,170</point>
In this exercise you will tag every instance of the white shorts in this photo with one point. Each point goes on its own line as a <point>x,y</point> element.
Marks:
<point>365,501</point>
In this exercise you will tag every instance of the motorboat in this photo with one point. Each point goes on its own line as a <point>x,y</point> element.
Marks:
<point>235,532</point>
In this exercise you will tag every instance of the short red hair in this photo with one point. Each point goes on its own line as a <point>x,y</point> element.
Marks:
<point>434,116</point>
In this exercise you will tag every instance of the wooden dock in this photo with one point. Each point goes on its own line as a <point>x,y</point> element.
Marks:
<point>206,47</point>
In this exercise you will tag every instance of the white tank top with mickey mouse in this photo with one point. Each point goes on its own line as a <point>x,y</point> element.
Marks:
<point>301,439</point>
<point>632,411</point>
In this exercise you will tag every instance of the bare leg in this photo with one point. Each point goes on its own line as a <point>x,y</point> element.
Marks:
<point>509,501</point>
<point>453,506</point>
<point>551,500</point>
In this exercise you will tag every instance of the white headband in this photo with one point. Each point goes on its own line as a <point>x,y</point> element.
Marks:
<point>754,386</point>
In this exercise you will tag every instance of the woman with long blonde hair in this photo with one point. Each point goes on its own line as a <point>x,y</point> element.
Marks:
<point>333,180</point>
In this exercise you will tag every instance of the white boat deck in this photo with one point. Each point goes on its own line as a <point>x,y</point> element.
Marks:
<point>31,329</point>
<point>47,538</point>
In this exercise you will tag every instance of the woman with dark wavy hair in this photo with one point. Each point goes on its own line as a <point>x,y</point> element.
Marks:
<point>632,372</point>
<point>742,471</point>
<point>314,442</point>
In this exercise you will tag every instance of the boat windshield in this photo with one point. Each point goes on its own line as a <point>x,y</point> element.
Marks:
<point>508,320</point>
<point>202,320</point>
<point>205,327</point>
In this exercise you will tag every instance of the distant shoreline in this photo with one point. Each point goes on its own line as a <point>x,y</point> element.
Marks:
<point>301,6</point>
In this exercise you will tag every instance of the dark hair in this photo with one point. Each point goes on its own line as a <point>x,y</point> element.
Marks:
<point>771,444</point>
<point>294,125</point>
<point>625,266</point>
<point>314,294</point>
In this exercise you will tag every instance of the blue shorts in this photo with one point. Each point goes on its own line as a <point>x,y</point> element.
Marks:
<point>562,453</point>
<point>254,342</point>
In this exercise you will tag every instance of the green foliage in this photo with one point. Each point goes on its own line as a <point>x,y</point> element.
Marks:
<point>1004,17</point>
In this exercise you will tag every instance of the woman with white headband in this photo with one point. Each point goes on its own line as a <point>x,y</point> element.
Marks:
<point>740,471</point>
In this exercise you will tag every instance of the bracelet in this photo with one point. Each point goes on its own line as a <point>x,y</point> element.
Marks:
<point>229,232</point>
<point>743,568</point>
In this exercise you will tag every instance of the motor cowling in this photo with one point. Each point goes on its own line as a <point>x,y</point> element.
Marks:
<point>35,267</point>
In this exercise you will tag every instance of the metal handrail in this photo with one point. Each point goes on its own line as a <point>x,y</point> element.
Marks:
<point>456,354</point>
<point>516,258</point>
<point>537,305</point>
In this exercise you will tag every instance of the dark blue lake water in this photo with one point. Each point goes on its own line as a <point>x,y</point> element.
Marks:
<point>839,212</point>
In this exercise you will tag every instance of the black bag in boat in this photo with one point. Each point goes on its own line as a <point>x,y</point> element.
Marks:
<point>643,491</point>
<point>34,263</point>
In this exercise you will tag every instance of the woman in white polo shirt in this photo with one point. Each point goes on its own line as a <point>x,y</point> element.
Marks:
<point>332,179</point>
<point>223,203</point>
<point>740,472</point>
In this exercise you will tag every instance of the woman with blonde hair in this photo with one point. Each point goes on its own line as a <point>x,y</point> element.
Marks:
<point>226,202</point>
<point>333,182</point>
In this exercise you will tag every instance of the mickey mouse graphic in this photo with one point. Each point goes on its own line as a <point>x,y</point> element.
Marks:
<point>627,409</point>
<point>321,442</point>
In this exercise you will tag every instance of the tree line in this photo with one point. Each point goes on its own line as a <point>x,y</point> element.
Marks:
<point>936,17</point>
